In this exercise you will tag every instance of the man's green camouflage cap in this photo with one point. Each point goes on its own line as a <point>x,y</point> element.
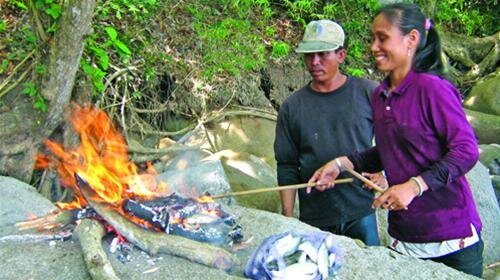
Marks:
<point>321,36</point>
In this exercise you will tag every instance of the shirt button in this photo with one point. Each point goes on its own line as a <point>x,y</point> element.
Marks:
<point>388,108</point>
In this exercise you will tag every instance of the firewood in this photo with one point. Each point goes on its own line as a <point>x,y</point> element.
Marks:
<point>160,242</point>
<point>56,218</point>
<point>90,233</point>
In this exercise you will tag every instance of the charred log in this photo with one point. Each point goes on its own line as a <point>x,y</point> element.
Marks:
<point>200,221</point>
<point>159,242</point>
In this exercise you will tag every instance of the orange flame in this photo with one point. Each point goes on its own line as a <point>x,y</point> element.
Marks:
<point>101,160</point>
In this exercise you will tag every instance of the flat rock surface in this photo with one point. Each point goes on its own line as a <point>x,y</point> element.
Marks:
<point>63,260</point>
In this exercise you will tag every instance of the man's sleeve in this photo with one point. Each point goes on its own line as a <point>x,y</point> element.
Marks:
<point>285,151</point>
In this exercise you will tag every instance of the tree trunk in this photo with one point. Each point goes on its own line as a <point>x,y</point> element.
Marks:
<point>74,26</point>
<point>26,128</point>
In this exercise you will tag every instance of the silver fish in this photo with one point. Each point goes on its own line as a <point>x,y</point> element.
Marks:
<point>323,260</point>
<point>309,250</point>
<point>297,271</point>
<point>285,246</point>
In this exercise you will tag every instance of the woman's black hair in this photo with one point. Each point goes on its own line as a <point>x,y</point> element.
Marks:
<point>407,17</point>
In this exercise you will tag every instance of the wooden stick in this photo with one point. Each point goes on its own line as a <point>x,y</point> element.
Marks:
<point>56,218</point>
<point>90,233</point>
<point>287,187</point>
<point>365,180</point>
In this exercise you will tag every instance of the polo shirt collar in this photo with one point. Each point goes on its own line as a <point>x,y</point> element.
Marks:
<point>401,88</point>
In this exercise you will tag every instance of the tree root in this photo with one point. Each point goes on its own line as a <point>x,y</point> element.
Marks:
<point>142,154</point>
<point>479,55</point>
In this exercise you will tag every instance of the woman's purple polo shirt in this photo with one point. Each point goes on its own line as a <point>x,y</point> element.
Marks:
<point>421,129</point>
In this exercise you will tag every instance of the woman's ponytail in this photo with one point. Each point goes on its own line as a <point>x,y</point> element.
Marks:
<point>428,56</point>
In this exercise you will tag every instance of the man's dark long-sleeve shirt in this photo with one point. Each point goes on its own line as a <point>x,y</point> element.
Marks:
<point>312,129</point>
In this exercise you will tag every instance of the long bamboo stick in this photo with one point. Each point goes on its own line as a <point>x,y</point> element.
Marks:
<point>287,187</point>
<point>365,180</point>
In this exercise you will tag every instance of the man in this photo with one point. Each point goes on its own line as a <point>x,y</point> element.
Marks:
<point>329,117</point>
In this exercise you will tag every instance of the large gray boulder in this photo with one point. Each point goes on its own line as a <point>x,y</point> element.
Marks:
<point>62,259</point>
<point>247,172</point>
<point>30,259</point>
<point>249,134</point>
<point>487,205</point>
<point>486,126</point>
<point>489,155</point>
<point>18,202</point>
<point>205,176</point>
<point>495,180</point>
<point>485,96</point>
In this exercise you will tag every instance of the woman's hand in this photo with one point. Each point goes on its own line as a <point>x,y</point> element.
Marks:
<point>377,178</point>
<point>397,197</point>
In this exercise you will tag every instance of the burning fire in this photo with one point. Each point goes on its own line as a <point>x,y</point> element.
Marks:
<point>101,160</point>
<point>98,169</point>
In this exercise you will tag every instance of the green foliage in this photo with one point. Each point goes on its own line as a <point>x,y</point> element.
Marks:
<point>280,49</point>
<point>97,71</point>
<point>18,39</point>
<point>270,31</point>
<point>16,44</point>
<point>100,54</point>
<point>330,10</point>
<point>28,35</point>
<point>118,45</point>
<point>356,72</point>
<point>469,17</point>
<point>96,63</point>
<point>353,15</point>
<point>139,9</point>
<point>39,101</point>
<point>202,42</point>
<point>108,42</point>
<point>236,47</point>
<point>96,74</point>
<point>3,26</point>
<point>18,4</point>
<point>52,9</point>
<point>40,69</point>
<point>301,10</point>
<point>4,65</point>
<point>239,43</point>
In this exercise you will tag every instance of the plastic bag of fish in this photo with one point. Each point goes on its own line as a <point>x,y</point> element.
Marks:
<point>292,255</point>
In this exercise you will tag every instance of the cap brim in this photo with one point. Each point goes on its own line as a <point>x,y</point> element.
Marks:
<point>313,47</point>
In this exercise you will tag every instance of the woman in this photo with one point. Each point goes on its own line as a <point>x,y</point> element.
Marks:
<point>423,142</point>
